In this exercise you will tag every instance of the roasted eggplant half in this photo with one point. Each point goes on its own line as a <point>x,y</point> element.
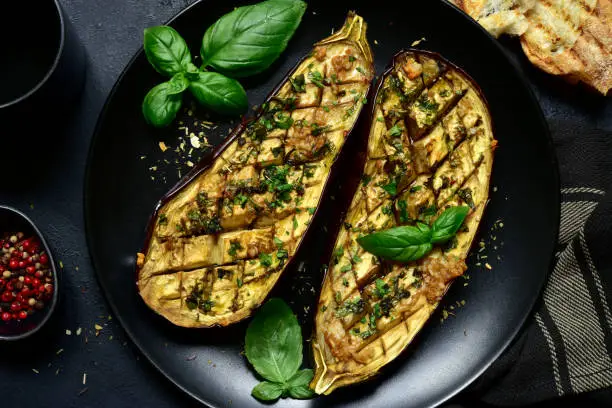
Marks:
<point>430,147</point>
<point>219,241</point>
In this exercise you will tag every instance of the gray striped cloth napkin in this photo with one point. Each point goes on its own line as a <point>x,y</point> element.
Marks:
<point>565,350</point>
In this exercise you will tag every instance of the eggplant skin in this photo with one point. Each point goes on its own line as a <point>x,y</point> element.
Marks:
<point>431,137</point>
<point>221,238</point>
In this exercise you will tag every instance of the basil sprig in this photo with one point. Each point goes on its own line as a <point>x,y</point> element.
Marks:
<point>274,347</point>
<point>410,243</point>
<point>250,38</point>
<point>243,42</point>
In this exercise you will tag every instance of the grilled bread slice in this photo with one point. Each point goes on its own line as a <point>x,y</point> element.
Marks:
<point>431,139</point>
<point>221,239</point>
<point>499,16</point>
<point>573,40</point>
<point>569,38</point>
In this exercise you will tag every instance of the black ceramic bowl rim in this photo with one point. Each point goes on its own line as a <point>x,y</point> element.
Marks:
<point>49,310</point>
<point>58,54</point>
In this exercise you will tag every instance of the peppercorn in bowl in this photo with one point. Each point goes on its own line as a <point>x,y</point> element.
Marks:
<point>28,278</point>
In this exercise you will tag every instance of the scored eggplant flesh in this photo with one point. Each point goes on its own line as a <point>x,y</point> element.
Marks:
<point>219,244</point>
<point>430,147</point>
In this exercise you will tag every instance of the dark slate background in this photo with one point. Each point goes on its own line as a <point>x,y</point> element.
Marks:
<point>116,374</point>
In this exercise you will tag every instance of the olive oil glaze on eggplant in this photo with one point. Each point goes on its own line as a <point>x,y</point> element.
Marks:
<point>370,309</point>
<point>232,267</point>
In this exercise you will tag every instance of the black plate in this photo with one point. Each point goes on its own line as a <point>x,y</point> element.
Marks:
<point>120,195</point>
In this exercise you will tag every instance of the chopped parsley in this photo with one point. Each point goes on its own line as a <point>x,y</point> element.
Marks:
<point>163,219</point>
<point>265,260</point>
<point>427,105</point>
<point>387,209</point>
<point>382,288</point>
<point>390,188</point>
<point>466,195</point>
<point>317,129</point>
<point>241,200</point>
<point>298,83</point>
<point>395,131</point>
<point>346,268</point>
<point>278,242</point>
<point>283,121</point>
<point>282,254</point>
<point>276,151</point>
<point>403,214</point>
<point>316,78</point>
<point>414,189</point>
<point>365,180</point>
<point>235,246</point>
<point>350,307</point>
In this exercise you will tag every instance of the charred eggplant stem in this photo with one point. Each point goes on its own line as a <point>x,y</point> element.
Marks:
<point>430,147</point>
<point>220,239</point>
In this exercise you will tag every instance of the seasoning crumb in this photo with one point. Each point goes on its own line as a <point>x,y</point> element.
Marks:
<point>195,142</point>
<point>209,362</point>
<point>60,351</point>
<point>98,327</point>
<point>84,378</point>
<point>417,42</point>
<point>61,264</point>
<point>35,371</point>
<point>375,42</point>
<point>191,358</point>
<point>162,146</point>
<point>189,163</point>
<point>488,266</point>
<point>83,391</point>
<point>57,371</point>
<point>68,332</point>
<point>78,332</point>
<point>31,206</point>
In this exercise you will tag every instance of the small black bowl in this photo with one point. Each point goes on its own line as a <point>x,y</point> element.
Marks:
<point>42,70</point>
<point>14,220</point>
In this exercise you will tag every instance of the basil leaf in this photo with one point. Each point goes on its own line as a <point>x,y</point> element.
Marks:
<point>177,84</point>
<point>274,342</point>
<point>301,392</point>
<point>298,384</point>
<point>448,223</point>
<point>268,391</point>
<point>161,104</point>
<point>166,50</point>
<point>402,244</point>
<point>250,38</point>
<point>219,93</point>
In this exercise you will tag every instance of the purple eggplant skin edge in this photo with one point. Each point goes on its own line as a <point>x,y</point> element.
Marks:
<point>207,161</point>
